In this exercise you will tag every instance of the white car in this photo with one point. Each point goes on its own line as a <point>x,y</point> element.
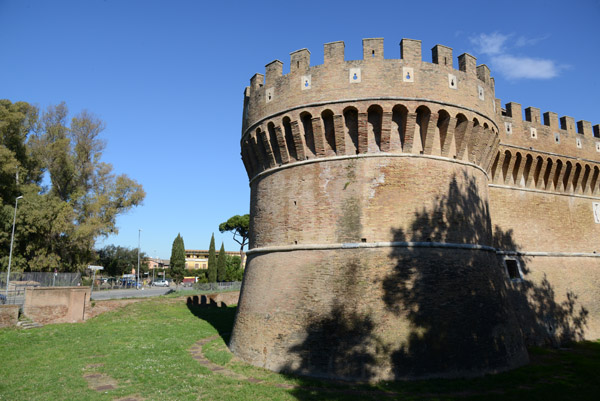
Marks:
<point>161,283</point>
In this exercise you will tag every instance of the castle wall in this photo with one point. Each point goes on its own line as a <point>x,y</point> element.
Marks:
<point>368,200</point>
<point>403,224</point>
<point>377,314</point>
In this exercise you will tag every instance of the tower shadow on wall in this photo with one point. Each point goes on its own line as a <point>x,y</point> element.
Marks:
<point>460,306</point>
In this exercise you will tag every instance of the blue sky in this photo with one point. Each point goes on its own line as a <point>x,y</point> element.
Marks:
<point>167,77</point>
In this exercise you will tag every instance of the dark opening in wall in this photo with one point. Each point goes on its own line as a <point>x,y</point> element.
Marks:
<point>363,240</point>
<point>512,269</point>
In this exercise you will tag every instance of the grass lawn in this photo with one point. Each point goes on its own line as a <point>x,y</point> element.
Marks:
<point>142,352</point>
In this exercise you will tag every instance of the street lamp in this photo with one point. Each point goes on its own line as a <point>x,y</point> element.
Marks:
<point>138,267</point>
<point>12,238</point>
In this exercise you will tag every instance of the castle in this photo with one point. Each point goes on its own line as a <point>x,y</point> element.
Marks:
<point>406,225</point>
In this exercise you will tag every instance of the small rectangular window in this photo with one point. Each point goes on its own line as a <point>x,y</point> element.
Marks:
<point>513,269</point>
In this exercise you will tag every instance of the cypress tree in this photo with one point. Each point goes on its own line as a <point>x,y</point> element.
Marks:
<point>221,264</point>
<point>177,262</point>
<point>212,261</point>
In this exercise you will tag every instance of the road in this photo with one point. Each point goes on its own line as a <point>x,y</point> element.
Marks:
<point>130,293</point>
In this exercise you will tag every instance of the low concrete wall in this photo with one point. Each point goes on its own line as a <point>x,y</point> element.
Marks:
<point>56,304</point>
<point>9,315</point>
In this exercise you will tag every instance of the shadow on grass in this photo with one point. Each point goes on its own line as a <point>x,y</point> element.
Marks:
<point>219,316</point>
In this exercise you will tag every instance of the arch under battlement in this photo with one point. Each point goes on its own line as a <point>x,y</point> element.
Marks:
<point>529,169</point>
<point>363,128</point>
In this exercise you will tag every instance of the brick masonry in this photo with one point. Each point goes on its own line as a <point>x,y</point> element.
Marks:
<point>386,195</point>
<point>56,304</point>
<point>9,315</point>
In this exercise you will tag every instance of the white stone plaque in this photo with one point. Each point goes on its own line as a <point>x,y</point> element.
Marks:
<point>508,128</point>
<point>269,94</point>
<point>408,74</point>
<point>578,141</point>
<point>596,208</point>
<point>480,92</point>
<point>452,82</point>
<point>533,132</point>
<point>354,75</point>
<point>556,137</point>
<point>305,82</point>
<point>597,146</point>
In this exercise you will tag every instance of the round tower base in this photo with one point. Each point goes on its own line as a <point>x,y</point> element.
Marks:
<point>379,312</point>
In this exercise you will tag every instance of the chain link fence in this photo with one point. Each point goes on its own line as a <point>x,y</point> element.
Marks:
<point>19,281</point>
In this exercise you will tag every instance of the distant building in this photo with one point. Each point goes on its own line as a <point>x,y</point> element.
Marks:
<point>157,263</point>
<point>198,259</point>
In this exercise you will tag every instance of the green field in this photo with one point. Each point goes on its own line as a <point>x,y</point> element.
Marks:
<point>143,352</point>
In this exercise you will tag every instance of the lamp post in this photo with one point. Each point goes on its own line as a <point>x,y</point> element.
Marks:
<point>138,266</point>
<point>12,238</point>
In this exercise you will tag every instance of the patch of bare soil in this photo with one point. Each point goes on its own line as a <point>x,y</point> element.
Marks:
<point>107,305</point>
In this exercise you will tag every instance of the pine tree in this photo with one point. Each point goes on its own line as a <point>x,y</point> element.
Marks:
<point>221,264</point>
<point>212,261</point>
<point>177,263</point>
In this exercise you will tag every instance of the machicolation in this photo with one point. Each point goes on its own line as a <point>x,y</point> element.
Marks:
<point>405,225</point>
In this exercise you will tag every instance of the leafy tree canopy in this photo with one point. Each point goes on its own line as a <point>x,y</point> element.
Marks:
<point>239,226</point>
<point>57,223</point>
<point>118,260</point>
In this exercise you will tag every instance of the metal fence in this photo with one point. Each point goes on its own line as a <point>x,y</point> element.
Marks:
<point>19,281</point>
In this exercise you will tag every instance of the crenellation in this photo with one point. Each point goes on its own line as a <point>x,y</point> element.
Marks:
<point>442,55</point>
<point>273,71</point>
<point>334,52</point>
<point>410,51</point>
<point>299,61</point>
<point>256,82</point>
<point>567,124</point>
<point>514,110</point>
<point>532,114</point>
<point>551,120</point>
<point>584,128</point>
<point>373,49</point>
<point>483,73</point>
<point>467,63</point>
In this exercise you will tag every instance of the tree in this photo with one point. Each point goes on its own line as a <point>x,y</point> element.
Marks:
<point>221,264</point>
<point>233,271</point>
<point>58,224</point>
<point>177,262</point>
<point>239,226</point>
<point>212,261</point>
<point>118,260</point>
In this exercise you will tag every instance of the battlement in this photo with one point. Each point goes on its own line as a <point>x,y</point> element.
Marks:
<point>373,50</point>
<point>373,76</point>
<point>547,132</point>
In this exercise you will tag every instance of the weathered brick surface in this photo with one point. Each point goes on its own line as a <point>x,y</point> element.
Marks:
<point>377,314</point>
<point>355,268</point>
<point>9,315</point>
<point>56,304</point>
